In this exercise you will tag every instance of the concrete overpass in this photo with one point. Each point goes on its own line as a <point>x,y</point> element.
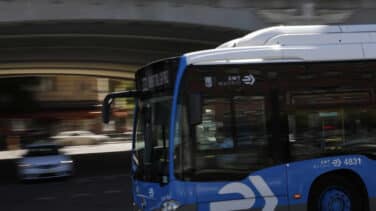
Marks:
<point>46,36</point>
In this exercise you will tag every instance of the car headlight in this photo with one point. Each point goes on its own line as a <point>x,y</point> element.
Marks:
<point>66,161</point>
<point>24,165</point>
<point>170,205</point>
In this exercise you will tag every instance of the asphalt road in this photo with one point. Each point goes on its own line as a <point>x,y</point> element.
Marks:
<point>101,182</point>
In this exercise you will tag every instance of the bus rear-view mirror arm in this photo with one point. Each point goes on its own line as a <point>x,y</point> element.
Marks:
<point>109,99</point>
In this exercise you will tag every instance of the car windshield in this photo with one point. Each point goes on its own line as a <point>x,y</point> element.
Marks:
<point>42,151</point>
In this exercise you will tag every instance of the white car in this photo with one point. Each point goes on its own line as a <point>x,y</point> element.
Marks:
<point>44,161</point>
<point>79,138</point>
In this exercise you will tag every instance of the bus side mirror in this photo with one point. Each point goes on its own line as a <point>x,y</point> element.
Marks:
<point>106,107</point>
<point>195,109</point>
<point>109,99</point>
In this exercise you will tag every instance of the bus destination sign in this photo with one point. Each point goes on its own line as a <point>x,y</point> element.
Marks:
<point>156,80</point>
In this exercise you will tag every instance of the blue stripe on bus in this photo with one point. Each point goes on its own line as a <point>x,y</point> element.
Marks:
<point>179,76</point>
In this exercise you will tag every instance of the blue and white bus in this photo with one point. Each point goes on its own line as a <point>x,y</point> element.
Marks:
<point>281,119</point>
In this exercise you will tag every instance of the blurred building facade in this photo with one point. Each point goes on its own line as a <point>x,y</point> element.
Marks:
<point>64,103</point>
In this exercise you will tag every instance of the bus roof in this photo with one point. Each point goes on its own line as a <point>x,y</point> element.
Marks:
<point>294,43</point>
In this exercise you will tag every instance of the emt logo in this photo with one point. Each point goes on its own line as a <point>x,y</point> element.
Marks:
<point>249,196</point>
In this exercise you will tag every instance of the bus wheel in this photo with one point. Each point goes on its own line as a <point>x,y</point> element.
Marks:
<point>335,193</point>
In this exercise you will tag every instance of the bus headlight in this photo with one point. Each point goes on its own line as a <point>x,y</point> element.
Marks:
<point>170,205</point>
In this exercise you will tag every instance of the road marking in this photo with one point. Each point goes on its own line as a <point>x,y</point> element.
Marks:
<point>112,191</point>
<point>45,198</point>
<point>78,195</point>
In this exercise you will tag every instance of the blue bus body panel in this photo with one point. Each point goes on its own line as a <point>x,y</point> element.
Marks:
<point>264,189</point>
<point>302,174</point>
<point>147,195</point>
<point>270,188</point>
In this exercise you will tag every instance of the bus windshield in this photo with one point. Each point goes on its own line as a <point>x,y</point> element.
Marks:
<point>151,144</point>
<point>155,82</point>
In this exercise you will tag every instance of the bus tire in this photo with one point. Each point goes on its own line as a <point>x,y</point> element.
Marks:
<point>335,192</point>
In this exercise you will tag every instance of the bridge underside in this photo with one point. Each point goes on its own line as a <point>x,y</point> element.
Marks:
<point>105,70</point>
<point>115,47</point>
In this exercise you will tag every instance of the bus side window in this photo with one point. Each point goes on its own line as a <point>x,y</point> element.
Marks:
<point>214,132</point>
